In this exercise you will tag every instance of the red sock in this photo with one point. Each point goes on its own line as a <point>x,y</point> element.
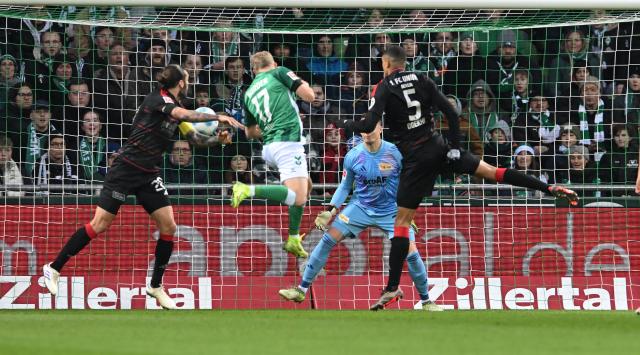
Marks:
<point>90,232</point>
<point>500,174</point>
<point>401,232</point>
<point>166,237</point>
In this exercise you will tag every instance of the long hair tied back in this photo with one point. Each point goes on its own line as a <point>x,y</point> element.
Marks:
<point>170,76</point>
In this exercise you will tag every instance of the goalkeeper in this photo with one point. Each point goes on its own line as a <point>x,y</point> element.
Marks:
<point>372,168</point>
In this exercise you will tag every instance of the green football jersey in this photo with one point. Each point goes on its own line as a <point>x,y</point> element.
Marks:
<point>270,102</point>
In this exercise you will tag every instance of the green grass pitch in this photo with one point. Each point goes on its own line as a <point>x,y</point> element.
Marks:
<point>318,332</point>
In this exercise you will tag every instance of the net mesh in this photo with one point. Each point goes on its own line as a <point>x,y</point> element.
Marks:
<point>314,20</point>
<point>552,93</point>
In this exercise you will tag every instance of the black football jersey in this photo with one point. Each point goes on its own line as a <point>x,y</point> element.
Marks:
<point>152,131</point>
<point>407,100</point>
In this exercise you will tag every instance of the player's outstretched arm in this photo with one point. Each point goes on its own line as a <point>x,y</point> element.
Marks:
<point>185,115</point>
<point>253,132</point>
<point>342,192</point>
<point>202,141</point>
<point>305,92</point>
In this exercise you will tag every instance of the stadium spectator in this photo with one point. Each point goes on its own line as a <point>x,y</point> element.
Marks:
<point>35,136</point>
<point>497,150</point>
<point>581,170</point>
<point>239,169</point>
<point>77,103</point>
<point>194,65</point>
<point>104,38</point>
<point>416,60</point>
<point>318,114</point>
<point>559,160</point>
<point>92,147</point>
<point>124,35</point>
<point>9,77</point>
<point>115,93</point>
<point>354,92</point>
<point>54,166</point>
<point>226,44</point>
<point>25,36</point>
<point>470,139</point>
<point>502,66</point>
<point>50,50</point>
<point>574,47</point>
<point>9,170</point>
<point>227,92</point>
<point>284,54</point>
<point>167,38</point>
<point>612,42</point>
<point>150,65</point>
<point>593,114</point>
<point>325,65</point>
<point>180,168</point>
<point>202,97</point>
<point>489,41</point>
<point>537,127</point>
<point>17,113</point>
<point>335,149</point>
<point>442,61</point>
<point>627,106</point>
<point>470,66</point>
<point>525,160</point>
<point>619,165</point>
<point>482,109</point>
<point>370,48</point>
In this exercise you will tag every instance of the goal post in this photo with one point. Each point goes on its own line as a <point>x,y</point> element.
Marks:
<point>552,92</point>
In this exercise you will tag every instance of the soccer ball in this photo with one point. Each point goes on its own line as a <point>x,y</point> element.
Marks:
<point>206,128</point>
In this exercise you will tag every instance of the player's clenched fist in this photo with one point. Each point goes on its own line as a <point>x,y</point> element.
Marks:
<point>323,219</point>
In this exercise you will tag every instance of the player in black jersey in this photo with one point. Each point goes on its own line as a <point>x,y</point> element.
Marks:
<point>136,171</point>
<point>406,99</point>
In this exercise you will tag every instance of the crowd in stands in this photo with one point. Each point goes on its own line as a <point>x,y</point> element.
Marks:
<point>562,104</point>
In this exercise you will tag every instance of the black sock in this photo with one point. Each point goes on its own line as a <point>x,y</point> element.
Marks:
<point>516,178</point>
<point>397,256</point>
<point>77,242</point>
<point>164,248</point>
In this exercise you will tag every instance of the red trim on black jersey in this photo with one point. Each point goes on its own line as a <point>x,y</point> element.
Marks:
<point>375,87</point>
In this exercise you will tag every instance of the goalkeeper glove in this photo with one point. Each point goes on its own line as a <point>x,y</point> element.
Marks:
<point>324,217</point>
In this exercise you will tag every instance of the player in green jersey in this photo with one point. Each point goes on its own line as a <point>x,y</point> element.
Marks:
<point>272,113</point>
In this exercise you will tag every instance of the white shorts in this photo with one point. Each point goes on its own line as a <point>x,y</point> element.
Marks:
<point>288,158</point>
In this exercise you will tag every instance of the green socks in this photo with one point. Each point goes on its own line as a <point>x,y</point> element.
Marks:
<point>295,216</point>
<point>276,193</point>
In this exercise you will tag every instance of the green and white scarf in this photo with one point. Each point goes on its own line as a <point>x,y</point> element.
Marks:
<point>598,122</point>
<point>632,107</point>
<point>91,155</point>
<point>482,131</point>
<point>548,131</point>
<point>35,146</point>
<point>220,52</point>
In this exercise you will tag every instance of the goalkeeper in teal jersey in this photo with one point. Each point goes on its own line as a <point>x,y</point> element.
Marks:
<point>372,169</point>
<point>272,114</point>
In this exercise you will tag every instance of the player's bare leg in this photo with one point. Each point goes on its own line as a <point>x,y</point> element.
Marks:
<point>397,255</point>
<point>100,223</point>
<point>164,247</point>
<point>314,265</point>
<point>294,194</point>
<point>516,178</point>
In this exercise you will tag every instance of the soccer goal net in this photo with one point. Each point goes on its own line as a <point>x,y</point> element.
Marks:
<point>552,93</point>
